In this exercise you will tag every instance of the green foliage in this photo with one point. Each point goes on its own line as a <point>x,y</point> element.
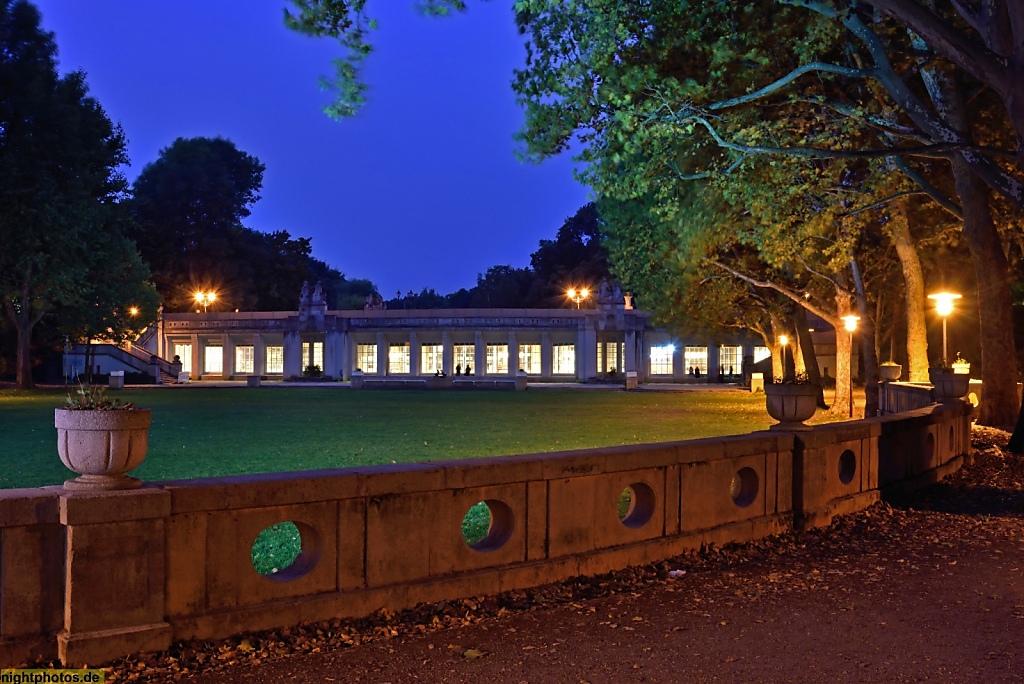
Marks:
<point>60,183</point>
<point>347,22</point>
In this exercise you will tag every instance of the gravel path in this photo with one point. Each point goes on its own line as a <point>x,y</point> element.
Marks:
<point>928,589</point>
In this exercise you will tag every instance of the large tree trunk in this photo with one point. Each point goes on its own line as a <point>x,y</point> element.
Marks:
<point>808,356</point>
<point>23,364</point>
<point>844,379</point>
<point>867,344</point>
<point>999,403</point>
<point>779,352</point>
<point>913,279</point>
<point>23,324</point>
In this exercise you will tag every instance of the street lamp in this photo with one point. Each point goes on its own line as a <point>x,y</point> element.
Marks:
<point>577,295</point>
<point>944,307</point>
<point>850,323</point>
<point>783,340</point>
<point>205,298</point>
<point>133,311</point>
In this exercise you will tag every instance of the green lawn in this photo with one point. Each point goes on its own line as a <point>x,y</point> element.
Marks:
<point>205,432</point>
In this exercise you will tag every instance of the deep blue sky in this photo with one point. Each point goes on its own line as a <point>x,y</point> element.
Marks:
<point>421,189</point>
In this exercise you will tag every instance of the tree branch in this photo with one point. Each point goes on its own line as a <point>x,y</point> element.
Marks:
<point>789,78</point>
<point>971,56</point>
<point>829,318</point>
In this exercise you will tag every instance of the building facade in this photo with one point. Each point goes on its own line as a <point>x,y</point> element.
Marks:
<point>555,345</point>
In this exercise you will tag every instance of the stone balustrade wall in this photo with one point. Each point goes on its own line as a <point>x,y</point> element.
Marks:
<point>90,577</point>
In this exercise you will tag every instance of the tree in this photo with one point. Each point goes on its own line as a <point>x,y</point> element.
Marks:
<point>116,308</point>
<point>577,257</point>
<point>622,78</point>
<point>59,181</point>
<point>189,205</point>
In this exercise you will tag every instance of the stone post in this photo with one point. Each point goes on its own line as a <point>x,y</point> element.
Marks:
<point>292,354</point>
<point>197,359</point>
<point>114,574</point>
<point>513,354</point>
<point>227,349</point>
<point>447,353</point>
<point>414,354</point>
<point>480,354</point>
<point>259,355</point>
<point>382,355</point>
<point>546,363</point>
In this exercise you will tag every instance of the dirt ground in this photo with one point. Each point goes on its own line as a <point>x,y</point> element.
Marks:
<point>925,589</point>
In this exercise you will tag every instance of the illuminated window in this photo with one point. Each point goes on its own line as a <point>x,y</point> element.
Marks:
<point>661,359</point>
<point>465,356</point>
<point>366,358</point>
<point>529,358</point>
<point>312,355</point>
<point>431,358</point>
<point>275,359</point>
<point>696,357</point>
<point>244,359</point>
<point>184,354</point>
<point>214,361</point>
<point>761,353</point>
<point>608,357</point>
<point>398,358</point>
<point>730,358</point>
<point>497,359</point>
<point>563,359</point>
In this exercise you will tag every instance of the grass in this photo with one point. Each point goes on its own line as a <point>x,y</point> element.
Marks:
<point>207,432</point>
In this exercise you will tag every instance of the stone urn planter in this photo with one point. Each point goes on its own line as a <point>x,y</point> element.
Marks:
<point>102,445</point>
<point>947,385</point>
<point>790,404</point>
<point>890,371</point>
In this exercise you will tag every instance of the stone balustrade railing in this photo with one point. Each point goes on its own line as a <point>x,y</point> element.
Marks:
<point>90,577</point>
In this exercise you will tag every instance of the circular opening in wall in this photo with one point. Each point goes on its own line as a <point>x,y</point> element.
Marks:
<point>285,551</point>
<point>743,488</point>
<point>488,525</point>
<point>847,466</point>
<point>636,504</point>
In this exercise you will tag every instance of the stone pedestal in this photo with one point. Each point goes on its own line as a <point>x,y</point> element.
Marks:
<point>114,574</point>
<point>252,381</point>
<point>756,382</point>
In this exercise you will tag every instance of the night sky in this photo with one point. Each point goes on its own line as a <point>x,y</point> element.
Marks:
<point>421,189</point>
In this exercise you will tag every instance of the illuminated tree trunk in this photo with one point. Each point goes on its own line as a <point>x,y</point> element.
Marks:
<point>913,280</point>
<point>841,403</point>
<point>867,346</point>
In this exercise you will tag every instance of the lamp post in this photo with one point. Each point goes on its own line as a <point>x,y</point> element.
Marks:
<point>783,340</point>
<point>944,307</point>
<point>577,295</point>
<point>205,298</point>
<point>850,323</point>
